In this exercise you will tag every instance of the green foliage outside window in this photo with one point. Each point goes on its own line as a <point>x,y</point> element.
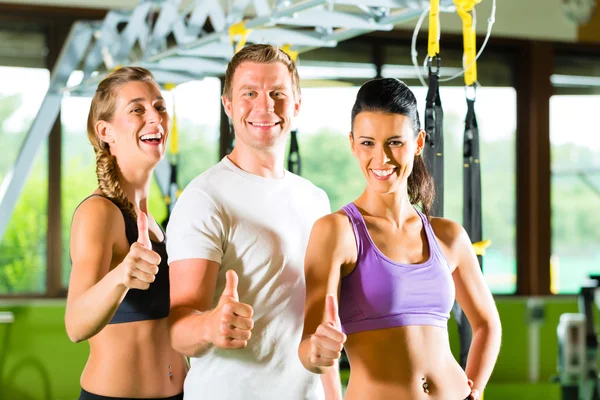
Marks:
<point>23,247</point>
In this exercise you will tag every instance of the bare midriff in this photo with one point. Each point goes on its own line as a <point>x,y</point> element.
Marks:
<point>404,363</point>
<point>134,359</point>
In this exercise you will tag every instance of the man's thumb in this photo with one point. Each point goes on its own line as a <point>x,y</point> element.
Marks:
<point>231,284</point>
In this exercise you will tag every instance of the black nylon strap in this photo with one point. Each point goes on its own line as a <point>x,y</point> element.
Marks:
<point>230,140</point>
<point>294,164</point>
<point>172,184</point>
<point>173,173</point>
<point>465,333</point>
<point>471,214</point>
<point>434,149</point>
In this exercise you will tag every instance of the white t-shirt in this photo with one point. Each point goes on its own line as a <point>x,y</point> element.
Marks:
<point>259,228</point>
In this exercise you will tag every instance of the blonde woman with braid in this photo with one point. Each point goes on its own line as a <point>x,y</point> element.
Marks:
<point>119,287</point>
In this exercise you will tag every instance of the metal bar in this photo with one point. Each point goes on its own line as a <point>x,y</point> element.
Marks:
<point>588,182</point>
<point>106,35</point>
<point>190,64</point>
<point>137,29</point>
<point>280,37</point>
<point>215,50</point>
<point>571,172</point>
<point>334,19</point>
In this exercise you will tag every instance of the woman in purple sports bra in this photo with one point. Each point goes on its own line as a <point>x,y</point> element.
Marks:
<point>395,271</point>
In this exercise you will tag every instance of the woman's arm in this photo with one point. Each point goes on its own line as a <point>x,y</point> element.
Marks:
<point>475,298</point>
<point>95,291</point>
<point>330,246</point>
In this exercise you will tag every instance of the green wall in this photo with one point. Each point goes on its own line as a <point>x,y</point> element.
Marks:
<point>38,362</point>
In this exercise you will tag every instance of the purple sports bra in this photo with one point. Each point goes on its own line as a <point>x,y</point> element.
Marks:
<point>380,293</point>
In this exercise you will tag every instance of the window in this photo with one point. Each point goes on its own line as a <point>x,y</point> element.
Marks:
<point>323,127</point>
<point>575,191</point>
<point>23,245</point>
<point>198,105</point>
<point>498,190</point>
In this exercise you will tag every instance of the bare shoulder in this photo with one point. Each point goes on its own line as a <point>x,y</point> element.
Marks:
<point>95,217</point>
<point>336,223</point>
<point>450,233</point>
<point>333,233</point>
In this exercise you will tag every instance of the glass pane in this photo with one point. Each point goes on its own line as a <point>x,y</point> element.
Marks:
<point>497,132</point>
<point>575,151</point>
<point>78,168</point>
<point>198,105</point>
<point>23,246</point>
<point>324,146</point>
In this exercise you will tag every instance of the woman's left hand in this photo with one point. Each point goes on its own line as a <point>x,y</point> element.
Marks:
<point>474,392</point>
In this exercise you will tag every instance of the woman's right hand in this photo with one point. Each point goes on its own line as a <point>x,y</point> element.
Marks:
<point>139,268</point>
<point>327,342</point>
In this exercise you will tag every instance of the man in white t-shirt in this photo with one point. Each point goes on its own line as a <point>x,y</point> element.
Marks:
<point>236,244</point>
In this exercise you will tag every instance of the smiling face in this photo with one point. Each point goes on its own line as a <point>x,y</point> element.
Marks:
<point>385,145</point>
<point>138,130</point>
<point>262,104</point>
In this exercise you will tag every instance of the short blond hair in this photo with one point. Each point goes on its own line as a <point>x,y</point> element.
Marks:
<point>264,54</point>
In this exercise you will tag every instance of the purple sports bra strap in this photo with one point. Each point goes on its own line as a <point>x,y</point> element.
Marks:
<point>434,246</point>
<point>358,225</point>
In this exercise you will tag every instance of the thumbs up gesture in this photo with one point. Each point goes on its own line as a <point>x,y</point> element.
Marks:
<point>139,268</point>
<point>231,322</point>
<point>327,342</point>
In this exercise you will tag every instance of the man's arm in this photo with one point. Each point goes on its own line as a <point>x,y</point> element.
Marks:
<point>332,384</point>
<point>195,326</point>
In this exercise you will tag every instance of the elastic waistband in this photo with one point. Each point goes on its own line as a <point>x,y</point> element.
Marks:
<point>85,395</point>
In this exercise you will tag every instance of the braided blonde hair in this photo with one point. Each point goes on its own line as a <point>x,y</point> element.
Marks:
<point>103,109</point>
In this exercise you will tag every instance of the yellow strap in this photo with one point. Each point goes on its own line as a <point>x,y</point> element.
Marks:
<point>464,9</point>
<point>554,274</point>
<point>433,48</point>
<point>174,134</point>
<point>467,5</point>
<point>288,50</point>
<point>236,30</point>
<point>480,247</point>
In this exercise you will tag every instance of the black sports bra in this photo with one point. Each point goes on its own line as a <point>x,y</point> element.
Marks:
<point>153,303</point>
